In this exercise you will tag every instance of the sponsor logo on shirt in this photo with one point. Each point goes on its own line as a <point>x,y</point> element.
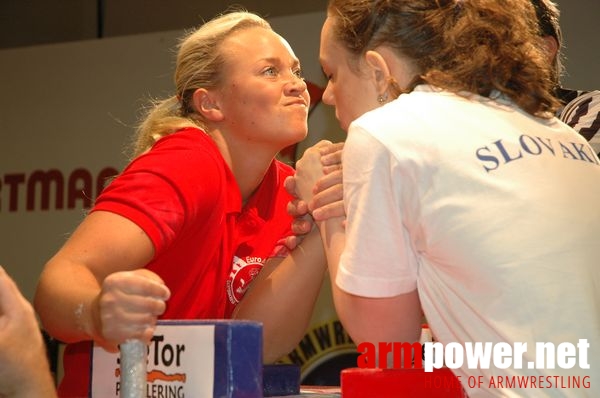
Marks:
<point>243,271</point>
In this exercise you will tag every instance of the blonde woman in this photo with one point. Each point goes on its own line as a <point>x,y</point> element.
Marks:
<point>199,213</point>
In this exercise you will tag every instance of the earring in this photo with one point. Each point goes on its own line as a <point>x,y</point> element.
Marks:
<point>381,98</point>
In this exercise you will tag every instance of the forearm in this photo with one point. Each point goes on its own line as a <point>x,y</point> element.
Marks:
<point>31,378</point>
<point>333,236</point>
<point>24,368</point>
<point>387,319</point>
<point>283,297</point>
<point>65,301</point>
<point>39,385</point>
<point>96,286</point>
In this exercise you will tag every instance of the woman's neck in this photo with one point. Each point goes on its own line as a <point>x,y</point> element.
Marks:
<point>248,164</point>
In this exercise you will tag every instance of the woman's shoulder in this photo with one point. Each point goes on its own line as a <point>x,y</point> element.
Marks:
<point>186,138</point>
<point>186,146</point>
<point>182,158</point>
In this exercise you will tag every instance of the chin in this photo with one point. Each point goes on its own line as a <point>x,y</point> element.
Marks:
<point>301,136</point>
<point>342,122</point>
<point>344,126</point>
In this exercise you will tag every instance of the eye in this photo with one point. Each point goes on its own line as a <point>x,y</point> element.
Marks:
<point>298,73</point>
<point>270,71</point>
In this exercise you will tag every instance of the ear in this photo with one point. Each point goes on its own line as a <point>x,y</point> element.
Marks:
<point>379,70</point>
<point>551,47</point>
<point>205,103</point>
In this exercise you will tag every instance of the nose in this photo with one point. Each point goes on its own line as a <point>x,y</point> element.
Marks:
<point>296,84</point>
<point>327,96</point>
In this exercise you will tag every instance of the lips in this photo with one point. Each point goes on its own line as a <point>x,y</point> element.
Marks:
<point>297,102</point>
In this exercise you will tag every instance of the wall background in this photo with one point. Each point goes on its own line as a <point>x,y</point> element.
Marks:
<point>581,42</point>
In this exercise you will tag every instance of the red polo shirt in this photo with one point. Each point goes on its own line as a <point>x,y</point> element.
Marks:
<point>207,247</point>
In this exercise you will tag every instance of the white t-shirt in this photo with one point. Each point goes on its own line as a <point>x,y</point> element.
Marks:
<point>492,214</point>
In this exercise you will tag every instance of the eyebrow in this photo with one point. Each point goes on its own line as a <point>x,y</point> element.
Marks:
<point>275,60</point>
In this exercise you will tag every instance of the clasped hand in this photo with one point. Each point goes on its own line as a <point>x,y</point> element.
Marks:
<point>317,187</point>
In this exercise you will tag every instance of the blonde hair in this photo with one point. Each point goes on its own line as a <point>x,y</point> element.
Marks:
<point>199,64</point>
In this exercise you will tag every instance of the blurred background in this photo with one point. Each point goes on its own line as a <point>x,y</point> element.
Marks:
<point>33,22</point>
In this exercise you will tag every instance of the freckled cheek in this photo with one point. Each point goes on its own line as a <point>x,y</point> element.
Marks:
<point>306,96</point>
<point>255,98</point>
<point>247,101</point>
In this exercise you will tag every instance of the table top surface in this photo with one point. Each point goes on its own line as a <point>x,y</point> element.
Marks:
<point>316,392</point>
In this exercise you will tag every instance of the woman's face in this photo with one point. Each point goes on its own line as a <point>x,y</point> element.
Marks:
<point>263,98</point>
<point>348,90</point>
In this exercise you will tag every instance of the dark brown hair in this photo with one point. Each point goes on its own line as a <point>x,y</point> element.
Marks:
<point>548,16</point>
<point>473,46</point>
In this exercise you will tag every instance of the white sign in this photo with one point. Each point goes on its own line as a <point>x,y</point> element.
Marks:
<point>180,363</point>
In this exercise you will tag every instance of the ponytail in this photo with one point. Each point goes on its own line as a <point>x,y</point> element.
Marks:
<point>162,119</point>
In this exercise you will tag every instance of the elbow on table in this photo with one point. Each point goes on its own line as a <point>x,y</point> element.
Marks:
<point>387,319</point>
